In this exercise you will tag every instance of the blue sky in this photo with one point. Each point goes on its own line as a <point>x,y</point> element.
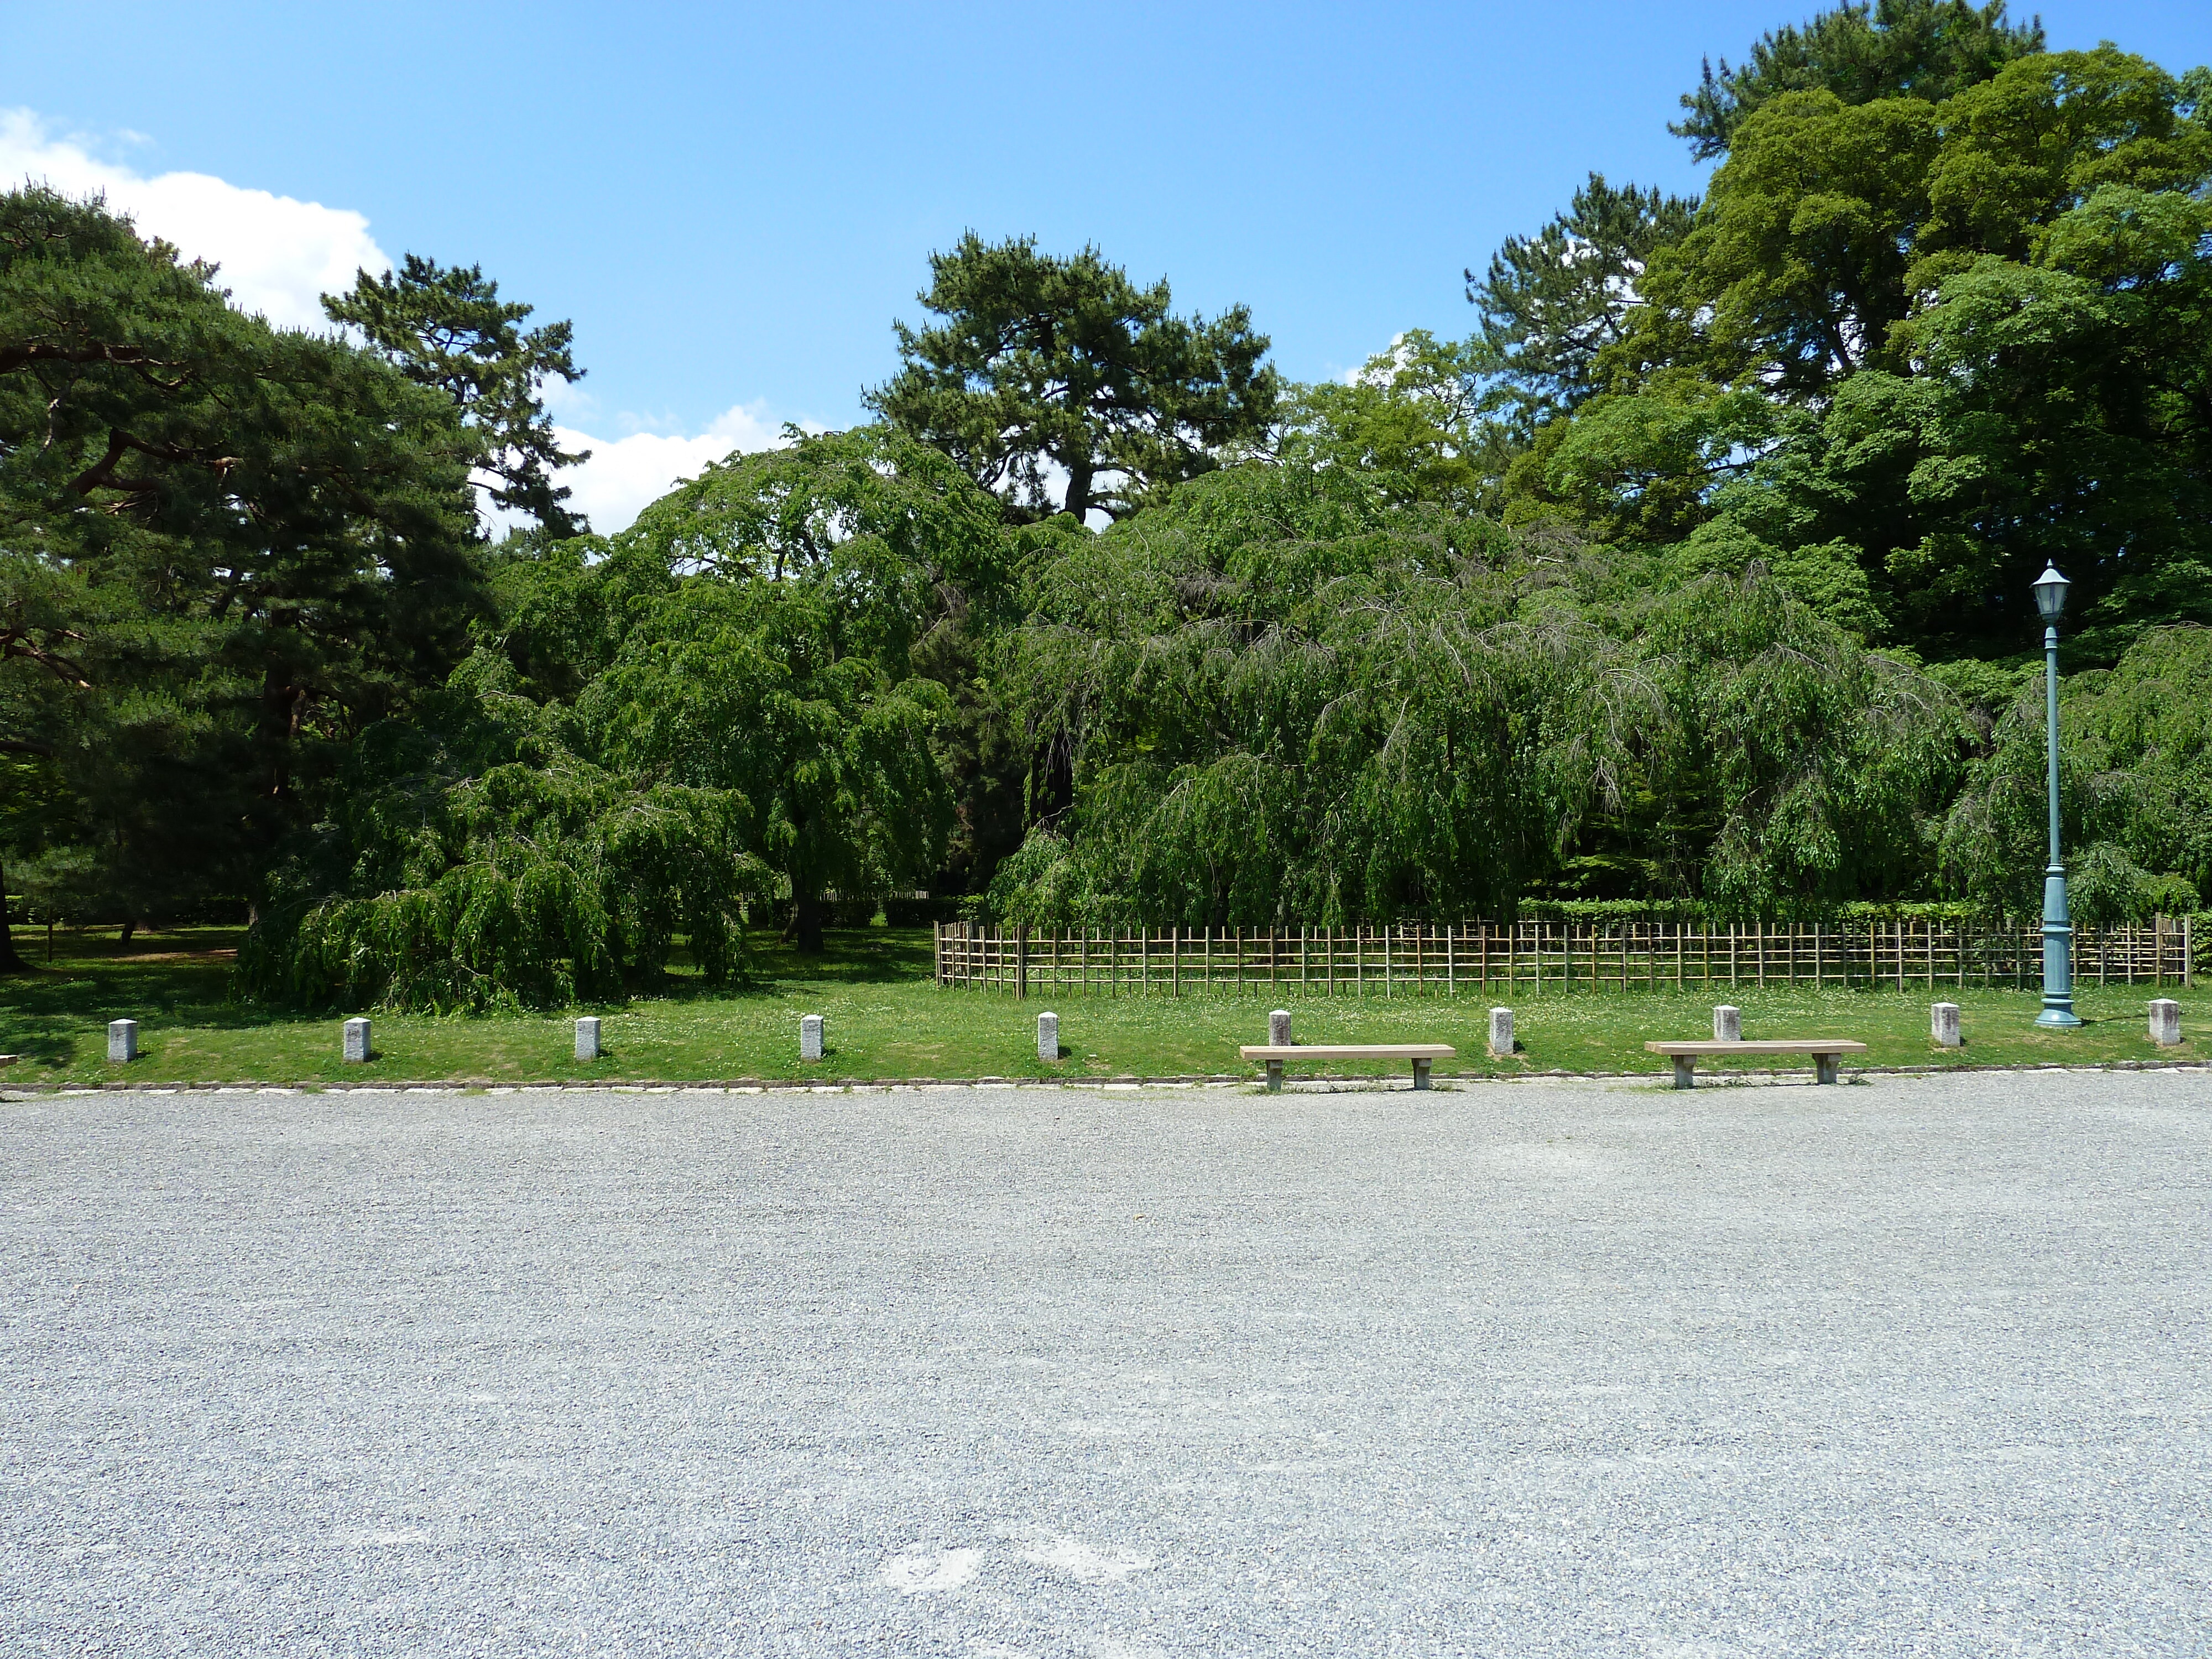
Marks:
<point>732,202</point>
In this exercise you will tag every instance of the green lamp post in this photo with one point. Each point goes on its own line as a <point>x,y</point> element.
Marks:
<point>2058,929</point>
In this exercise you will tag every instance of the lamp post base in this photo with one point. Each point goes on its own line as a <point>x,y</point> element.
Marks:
<point>2057,943</point>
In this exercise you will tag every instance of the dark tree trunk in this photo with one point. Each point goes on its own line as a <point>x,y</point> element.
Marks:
<point>123,939</point>
<point>9,961</point>
<point>1079,490</point>
<point>808,916</point>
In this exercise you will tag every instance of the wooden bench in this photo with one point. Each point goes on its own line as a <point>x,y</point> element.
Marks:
<point>1824,1051</point>
<point>1421,1054</point>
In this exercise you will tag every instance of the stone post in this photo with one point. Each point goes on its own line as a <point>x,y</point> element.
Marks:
<point>1501,1033</point>
<point>2165,1022</point>
<point>1048,1038</point>
<point>1943,1024</point>
<point>1728,1025</point>
<point>122,1042</point>
<point>356,1041</point>
<point>1278,1029</point>
<point>809,1037</point>
<point>587,1039</point>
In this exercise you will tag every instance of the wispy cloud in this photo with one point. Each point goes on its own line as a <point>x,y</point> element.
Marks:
<point>625,475</point>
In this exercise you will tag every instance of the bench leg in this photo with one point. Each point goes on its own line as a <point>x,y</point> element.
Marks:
<point>1274,1077</point>
<point>1686,1071</point>
<point>1420,1074</point>
<point>1824,1068</point>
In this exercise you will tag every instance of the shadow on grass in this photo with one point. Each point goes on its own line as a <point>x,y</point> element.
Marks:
<point>850,956</point>
<point>179,978</point>
<point>183,978</point>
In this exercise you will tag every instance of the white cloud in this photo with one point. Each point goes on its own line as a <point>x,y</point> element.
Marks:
<point>625,475</point>
<point>279,255</point>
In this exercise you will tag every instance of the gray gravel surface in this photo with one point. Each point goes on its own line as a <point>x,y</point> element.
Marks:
<point>1913,1367</point>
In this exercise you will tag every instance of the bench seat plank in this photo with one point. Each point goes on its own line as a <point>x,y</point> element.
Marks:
<point>1351,1051</point>
<point>1276,1055</point>
<point>1823,1050</point>
<point>1762,1046</point>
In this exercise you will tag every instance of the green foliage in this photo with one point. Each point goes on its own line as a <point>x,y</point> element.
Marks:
<point>474,862</point>
<point>1412,425</point>
<point>1553,303</point>
<point>1044,363</point>
<point>1283,698</point>
<point>1695,582</point>
<point>224,548</point>
<point>2136,789</point>
<point>1861,54</point>
<point>840,598</point>
<point>1952,340</point>
<point>446,327</point>
<point>744,689</point>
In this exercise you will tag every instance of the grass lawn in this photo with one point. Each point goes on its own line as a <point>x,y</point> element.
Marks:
<point>884,1019</point>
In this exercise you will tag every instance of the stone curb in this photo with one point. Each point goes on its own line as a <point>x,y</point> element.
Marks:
<point>846,1085</point>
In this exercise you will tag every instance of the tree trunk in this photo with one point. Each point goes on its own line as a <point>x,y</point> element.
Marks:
<point>1079,490</point>
<point>808,916</point>
<point>9,961</point>
<point>123,940</point>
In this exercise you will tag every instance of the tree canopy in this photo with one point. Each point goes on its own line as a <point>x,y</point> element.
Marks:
<point>1696,573</point>
<point>1049,371</point>
<point>224,549</point>
<point>1862,53</point>
<point>446,327</point>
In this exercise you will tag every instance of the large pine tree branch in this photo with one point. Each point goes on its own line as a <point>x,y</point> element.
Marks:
<point>12,357</point>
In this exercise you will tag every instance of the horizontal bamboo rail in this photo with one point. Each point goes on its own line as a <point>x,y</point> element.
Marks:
<point>1427,959</point>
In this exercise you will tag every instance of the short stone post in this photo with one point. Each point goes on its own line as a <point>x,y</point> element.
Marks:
<point>588,1038</point>
<point>1728,1025</point>
<point>809,1037</point>
<point>1048,1038</point>
<point>122,1042</point>
<point>356,1041</point>
<point>1278,1029</point>
<point>1943,1024</point>
<point>2165,1022</point>
<point>1501,1033</point>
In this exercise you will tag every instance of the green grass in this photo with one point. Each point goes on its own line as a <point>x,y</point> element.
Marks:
<point>886,1020</point>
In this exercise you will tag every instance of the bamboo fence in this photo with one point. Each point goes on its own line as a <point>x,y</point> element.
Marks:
<point>1443,960</point>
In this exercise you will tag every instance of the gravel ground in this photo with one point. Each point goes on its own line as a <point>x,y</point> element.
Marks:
<point>1918,1366</point>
